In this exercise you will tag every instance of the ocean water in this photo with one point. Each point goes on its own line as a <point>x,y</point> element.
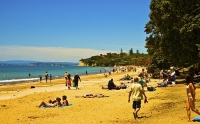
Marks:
<point>20,73</point>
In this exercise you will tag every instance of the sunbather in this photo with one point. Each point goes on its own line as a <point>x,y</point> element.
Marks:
<point>51,103</point>
<point>121,86</point>
<point>91,96</point>
<point>163,84</point>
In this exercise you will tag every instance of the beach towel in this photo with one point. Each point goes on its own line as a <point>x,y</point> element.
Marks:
<point>73,84</point>
<point>196,119</point>
<point>151,88</point>
<point>55,107</point>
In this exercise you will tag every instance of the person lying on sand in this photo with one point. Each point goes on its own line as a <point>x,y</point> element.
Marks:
<point>51,103</point>
<point>121,86</point>
<point>92,96</point>
<point>163,84</point>
<point>126,77</point>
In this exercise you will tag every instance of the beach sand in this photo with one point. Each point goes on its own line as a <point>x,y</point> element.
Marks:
<point>18,103</point>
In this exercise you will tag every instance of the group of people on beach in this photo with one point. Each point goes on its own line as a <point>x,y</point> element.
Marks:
<point>136,92</point>
<point>55,103</point>
<point>46,75</point>
<point>169,76</point>
<point>69,81</point>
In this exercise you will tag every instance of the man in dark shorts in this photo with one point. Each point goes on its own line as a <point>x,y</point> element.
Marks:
<point>137,93</point>
<point>76,79</point>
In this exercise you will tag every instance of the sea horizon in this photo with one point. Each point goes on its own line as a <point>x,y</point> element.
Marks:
<point>20,73</point>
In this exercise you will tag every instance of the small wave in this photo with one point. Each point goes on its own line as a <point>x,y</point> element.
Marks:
<point>18,80</point>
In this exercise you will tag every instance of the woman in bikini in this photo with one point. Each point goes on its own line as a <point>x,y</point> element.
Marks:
<point>51,103</point>
<point>190,102</point>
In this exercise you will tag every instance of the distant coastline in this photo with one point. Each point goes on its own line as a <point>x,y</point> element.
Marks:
<point>35,63</point>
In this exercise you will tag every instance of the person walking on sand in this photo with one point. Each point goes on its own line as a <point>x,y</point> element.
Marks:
<point>190,102</point>
<point>40,76</point>
<point>69,81</point>
<point>137,93</point>
<point>65,75</point>
<point>46,76</point>
<point>76,79</point>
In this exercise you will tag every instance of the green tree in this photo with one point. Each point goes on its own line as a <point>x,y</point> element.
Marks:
<point>131,52</point>
<point>174,31</point>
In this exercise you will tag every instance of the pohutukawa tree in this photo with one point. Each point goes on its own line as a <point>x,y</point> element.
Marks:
<point>173,32</point>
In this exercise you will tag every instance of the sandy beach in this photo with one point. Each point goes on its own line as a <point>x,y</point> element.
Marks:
<point>18,103</point>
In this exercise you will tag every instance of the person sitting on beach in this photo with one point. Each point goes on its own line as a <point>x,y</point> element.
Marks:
<point>111,85</point>
<point>163,84</point>
<point>65,101</point>
<point>92,96</point>
<point>121,86</point>
<point>105,75</point>
<point>51,103</point>
<point>142,81</point>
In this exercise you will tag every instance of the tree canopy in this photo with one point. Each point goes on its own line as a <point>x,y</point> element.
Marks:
<point>114,59</point>
<point>173,32</point>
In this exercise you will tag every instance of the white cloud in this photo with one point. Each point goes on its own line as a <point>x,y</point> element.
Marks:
<point>47,53</point>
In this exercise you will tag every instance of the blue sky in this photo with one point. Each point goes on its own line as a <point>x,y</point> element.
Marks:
<point>69,30</point>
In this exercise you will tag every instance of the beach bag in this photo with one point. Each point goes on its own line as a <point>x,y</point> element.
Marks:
<point>73,84</point>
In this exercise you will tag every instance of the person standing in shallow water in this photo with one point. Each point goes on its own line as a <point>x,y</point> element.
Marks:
<point>190,101</point>
<point>29,74</point>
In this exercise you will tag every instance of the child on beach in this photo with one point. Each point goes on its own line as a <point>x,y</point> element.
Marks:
<point>65,101</point>
<point>40,78</point>
<point>50,77</point>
